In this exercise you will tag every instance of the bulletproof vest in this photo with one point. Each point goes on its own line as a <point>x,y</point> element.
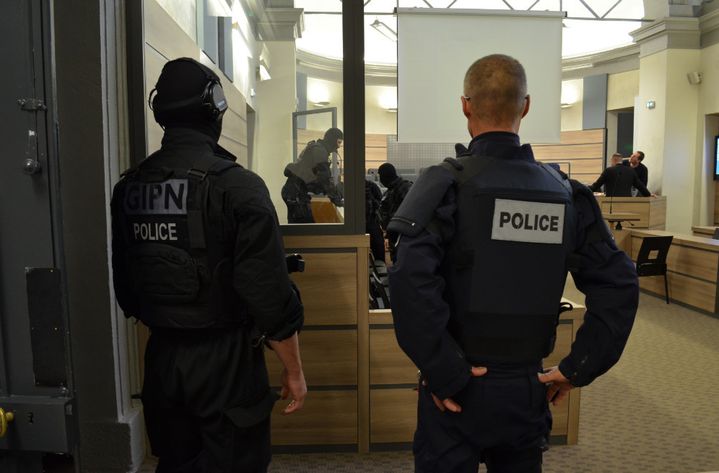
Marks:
<point>178,266</point>
<point>507,263</point>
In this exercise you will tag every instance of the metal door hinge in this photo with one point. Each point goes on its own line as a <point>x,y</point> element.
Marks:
<point>31,105</point>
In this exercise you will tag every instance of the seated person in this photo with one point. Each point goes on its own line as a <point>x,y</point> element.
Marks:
<point>618,180</point>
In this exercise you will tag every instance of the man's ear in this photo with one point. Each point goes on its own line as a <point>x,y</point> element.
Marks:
<point>526,106</point>
<point>466,108</point>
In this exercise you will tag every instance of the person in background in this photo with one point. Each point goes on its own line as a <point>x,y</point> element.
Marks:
<point>373,197</point>
<point>618,180</point>
<point>635,161</point>
<point>397,189</point>
<point>197,257</point>
<point>312,173</point>
<point>485,244</point>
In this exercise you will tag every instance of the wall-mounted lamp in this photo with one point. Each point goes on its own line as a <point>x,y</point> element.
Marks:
<point>694,77</point>
<point>388,100</point>
<point>569,95</point>
<point>263,69</point>
<point>263,73</point>
<point>651,104</point>
<point>384,30</point>
<point>318,94</point>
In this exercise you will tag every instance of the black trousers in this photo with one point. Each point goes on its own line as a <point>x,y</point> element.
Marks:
<point>207,402</point>
<point>504,422</point>
<point>295,194</point>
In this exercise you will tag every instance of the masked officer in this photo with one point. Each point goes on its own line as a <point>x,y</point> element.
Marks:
<point>397,189</point>
<point>311,173</point>
<point>485,244</point>
<point>198,258</point>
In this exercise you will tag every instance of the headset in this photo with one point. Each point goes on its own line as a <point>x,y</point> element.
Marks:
<point>211,103</point>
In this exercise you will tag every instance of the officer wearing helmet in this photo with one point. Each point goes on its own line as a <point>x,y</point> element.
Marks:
<point>486,241</point>
<point>198,258</point>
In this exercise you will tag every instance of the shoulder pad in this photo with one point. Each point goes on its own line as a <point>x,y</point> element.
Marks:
<point>425,195</point>
<point>454,162</point>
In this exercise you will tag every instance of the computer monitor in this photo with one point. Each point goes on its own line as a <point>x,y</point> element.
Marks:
<point>716,158</point>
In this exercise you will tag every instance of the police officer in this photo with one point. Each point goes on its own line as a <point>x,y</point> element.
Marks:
<point>311,173</point>
<point>485,244</point>
<point>198,258</point>
<point>397,189</point>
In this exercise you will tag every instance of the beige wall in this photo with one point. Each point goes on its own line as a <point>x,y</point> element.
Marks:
<point>708,198</point>
<point>649,125</point>
<point>571,117</point>
<point>276,100</point>
<point>184,12</point>
<point>682,156</point>
<point>622,88</point>
<point>166,40</point>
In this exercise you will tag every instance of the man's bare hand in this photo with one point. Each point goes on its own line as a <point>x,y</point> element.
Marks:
<point>294,387</point>
<point>448,404</point>
<point>558,386</point>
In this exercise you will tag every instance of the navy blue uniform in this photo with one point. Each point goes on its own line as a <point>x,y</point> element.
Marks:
<point>439,293</point>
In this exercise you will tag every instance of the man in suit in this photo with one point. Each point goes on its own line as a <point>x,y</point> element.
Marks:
<point>618,180</point>
<point>635,161</point>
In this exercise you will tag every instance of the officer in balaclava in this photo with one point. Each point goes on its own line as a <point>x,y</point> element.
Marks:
<point>198,258</point>
<point>397,189</point>
<point>311,173</point>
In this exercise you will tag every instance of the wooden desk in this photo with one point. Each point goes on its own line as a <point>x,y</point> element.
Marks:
<point>324,211</point>
<point>393,383</point>
<point>703,231</point>
<point>652,210</point>
<point>334,345</point>
<point>692,270</point>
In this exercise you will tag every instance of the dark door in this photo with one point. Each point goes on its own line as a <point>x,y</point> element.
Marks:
<point>34,361</point>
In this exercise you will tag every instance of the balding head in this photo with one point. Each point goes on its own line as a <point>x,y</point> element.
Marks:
<point>496,87</point>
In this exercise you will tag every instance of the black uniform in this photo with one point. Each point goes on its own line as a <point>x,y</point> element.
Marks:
<point>311,173</point>
<point>373,197</point>
<point>484,248</point>
<point>396,192</point>
<point>618,182</point>
<point>198,257</point>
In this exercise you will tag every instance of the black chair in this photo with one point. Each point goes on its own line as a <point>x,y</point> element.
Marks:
<point>378,285</point>
<point>652,259</point>
<point>716,234</point>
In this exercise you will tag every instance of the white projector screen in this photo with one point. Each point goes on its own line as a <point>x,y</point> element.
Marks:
<point>435,48</point>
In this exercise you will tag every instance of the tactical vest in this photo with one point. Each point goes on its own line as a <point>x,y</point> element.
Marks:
<point>507,263</point>
<point>178,263</point>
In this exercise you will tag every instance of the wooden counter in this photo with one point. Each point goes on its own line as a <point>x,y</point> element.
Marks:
<point>324,211</point>
<point>703,231</point>
<point>393,383</point>
<point>692,270</point>
<point>652,210</point>
<point>334,345</point>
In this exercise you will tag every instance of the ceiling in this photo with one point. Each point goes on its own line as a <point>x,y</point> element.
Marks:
<point>590,26</point>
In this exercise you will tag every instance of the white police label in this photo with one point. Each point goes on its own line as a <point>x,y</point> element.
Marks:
<point>531,222</point>
<point>155,231</point>
<point>157,198</point>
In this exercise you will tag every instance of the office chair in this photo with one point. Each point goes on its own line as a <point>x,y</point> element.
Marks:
<point>652,259</point>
